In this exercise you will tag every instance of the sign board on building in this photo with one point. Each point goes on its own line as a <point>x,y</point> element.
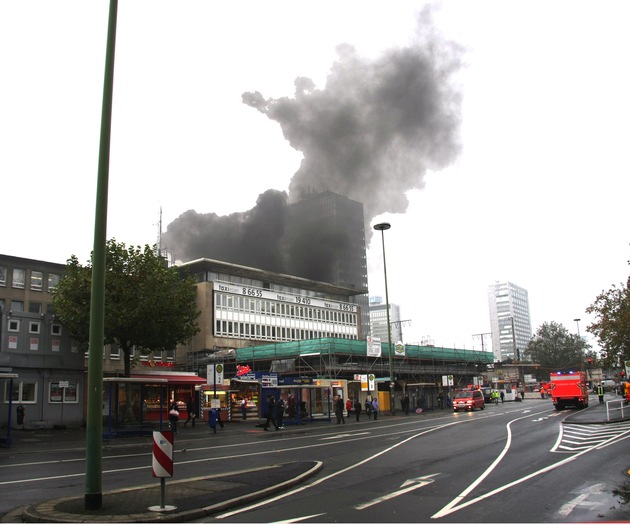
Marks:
<point>373,346</point>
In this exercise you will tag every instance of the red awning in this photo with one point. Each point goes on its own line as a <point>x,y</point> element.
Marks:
<point>171,378</point>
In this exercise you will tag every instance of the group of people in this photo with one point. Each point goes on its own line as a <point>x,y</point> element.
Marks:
<point>214,418</point>
<point>371,407</point>
<point>275,413</point>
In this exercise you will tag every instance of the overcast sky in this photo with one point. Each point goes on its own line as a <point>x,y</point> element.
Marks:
<point>537,194</point>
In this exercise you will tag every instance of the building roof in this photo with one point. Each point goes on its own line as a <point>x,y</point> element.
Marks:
<point>212,265</point>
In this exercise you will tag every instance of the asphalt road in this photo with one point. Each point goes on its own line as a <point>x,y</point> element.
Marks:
<point>516,462</point>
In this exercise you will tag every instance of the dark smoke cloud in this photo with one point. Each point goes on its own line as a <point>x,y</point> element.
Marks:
<point>370,134</point>
<point>251,238</point>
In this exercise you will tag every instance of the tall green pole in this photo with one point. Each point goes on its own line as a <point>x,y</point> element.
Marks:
<point>94,434</point>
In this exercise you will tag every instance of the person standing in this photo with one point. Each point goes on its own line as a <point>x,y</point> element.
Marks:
<point>502,396</point>
<point>600,393</point>
<point>375,408</point>
<point>244,408</point>
<point>405,404</point>
<point>357,408</point>
<point>339,410</point>
<point>349,406</point>
<point>173,417</point>
<point>440,399</point>
<point>279,413</point>
<point>368,408</point>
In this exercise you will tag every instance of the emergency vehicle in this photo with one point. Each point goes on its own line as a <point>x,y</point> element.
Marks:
<point>569,389</point>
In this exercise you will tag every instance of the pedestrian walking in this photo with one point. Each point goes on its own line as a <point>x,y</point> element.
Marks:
<point>600,393</point>
<point>502,396</point>
<point>339,410</point>
<point>357,408</point>
<point>271,405</point>
<point>368,408</point>
<point>375,408</point>
<point>405,404</point>
<point>440,399</point>
<point>190,410</point>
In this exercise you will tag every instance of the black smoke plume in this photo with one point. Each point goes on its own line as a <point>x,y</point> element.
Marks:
<point>370,134</point>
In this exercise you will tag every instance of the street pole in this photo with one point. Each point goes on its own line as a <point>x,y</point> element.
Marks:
<point>94,423</point>
<point>382,227</point>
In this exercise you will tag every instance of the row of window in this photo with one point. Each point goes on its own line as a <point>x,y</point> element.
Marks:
<point>34,327</point>
<point>273,333</point>
<point>25,392</point>
<point>280,309</point>
<point>18,279</point>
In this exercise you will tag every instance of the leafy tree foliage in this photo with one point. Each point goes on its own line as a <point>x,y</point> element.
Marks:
<point>612,324</point>
<point>554,348</point>
<point>147,304</point>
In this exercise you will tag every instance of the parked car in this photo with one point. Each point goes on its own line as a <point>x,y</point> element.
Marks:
<point>468,400</point>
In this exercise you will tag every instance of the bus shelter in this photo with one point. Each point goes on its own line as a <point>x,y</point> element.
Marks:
<point>139,404</point>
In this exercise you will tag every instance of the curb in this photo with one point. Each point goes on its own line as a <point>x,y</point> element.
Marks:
<point>48,512</point>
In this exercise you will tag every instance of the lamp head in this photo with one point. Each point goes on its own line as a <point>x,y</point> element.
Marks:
<point>382,226</point>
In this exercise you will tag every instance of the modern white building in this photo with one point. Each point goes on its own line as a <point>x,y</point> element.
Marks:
<point>509,320</point>
<point>378,320</point>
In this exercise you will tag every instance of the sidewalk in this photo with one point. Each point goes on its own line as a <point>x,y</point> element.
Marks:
<point>199,497</point>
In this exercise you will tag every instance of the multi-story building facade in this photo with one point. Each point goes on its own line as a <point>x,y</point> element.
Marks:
<point>378,320</point>
<point>240,306</point>
<point>509,320</point>
<point>35,347</point>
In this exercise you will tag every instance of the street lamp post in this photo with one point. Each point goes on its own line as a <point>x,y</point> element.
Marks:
<point>382,227</point>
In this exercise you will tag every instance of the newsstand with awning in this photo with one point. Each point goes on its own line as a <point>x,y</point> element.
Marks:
<point>139,404</point>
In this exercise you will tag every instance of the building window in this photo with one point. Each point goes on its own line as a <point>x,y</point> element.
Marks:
<point>35,308</point>
<point>3,275</point>
<point>55,329</point>
<point>19,276</point>
<point>23,392</point>
<point>37,280</point>
<point>17,306</point>
<point>33,327</point>
<point>58,394</point>
<point>53,281</point>
<point>14,325</point>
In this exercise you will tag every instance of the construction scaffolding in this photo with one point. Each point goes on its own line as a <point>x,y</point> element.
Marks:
<point>336,358</point>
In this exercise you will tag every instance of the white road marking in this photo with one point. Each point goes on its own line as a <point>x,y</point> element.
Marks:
<point>301,518</point>
<point>407,486</point>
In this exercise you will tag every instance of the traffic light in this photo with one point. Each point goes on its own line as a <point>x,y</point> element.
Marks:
<point>590,361</point>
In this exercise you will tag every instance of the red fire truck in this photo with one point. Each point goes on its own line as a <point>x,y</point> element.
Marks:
<point>569,389</point>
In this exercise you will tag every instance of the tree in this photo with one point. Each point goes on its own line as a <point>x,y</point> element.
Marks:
<point>612,323</point>
<point>147,304</point>
<point>554,348</point>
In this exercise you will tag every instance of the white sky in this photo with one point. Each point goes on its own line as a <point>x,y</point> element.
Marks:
<point>538,196</point>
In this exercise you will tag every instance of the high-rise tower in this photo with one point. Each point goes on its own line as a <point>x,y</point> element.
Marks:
<point>509,320</point>
<point>325,240</point>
